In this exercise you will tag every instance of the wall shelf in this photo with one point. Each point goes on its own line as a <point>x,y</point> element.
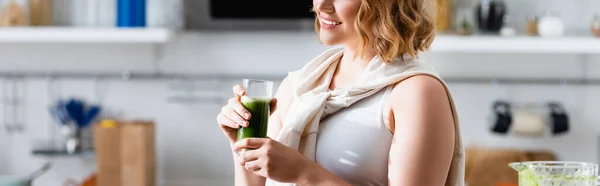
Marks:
<point>576,43</point>
<point>84,35</point>
<point>516,44</point>
<point>442,43</point>
<point>62,153</point>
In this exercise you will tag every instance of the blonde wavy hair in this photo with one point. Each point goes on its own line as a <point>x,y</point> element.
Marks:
<point>394,28</point>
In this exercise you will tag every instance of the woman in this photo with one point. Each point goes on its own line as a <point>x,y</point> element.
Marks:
<point>367,113</point>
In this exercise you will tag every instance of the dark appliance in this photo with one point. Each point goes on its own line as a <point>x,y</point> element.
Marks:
<point>248,15</point>
<point>490,15</point>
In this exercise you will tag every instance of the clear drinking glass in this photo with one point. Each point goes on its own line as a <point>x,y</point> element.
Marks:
<point>257,101</point>
<point>556,173</point>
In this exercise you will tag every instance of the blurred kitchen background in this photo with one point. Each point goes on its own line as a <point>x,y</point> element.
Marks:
<point>525,75</point>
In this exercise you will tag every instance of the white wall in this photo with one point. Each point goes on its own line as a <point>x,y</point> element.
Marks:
<point>191,149</point>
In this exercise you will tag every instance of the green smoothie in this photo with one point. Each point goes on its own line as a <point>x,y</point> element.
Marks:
<point>259,108</point>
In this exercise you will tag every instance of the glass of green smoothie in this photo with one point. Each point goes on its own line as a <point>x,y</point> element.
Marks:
<point>257,101</point>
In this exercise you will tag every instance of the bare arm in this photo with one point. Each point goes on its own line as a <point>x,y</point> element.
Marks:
<point>284,98</point>
<point>423,144</point>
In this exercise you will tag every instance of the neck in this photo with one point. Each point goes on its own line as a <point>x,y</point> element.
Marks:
<point>363,59</point>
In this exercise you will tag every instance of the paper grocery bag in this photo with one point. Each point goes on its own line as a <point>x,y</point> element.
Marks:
<point>107,144</point>
<point>138,153</point>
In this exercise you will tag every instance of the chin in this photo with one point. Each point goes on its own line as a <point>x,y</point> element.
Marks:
<point>328,39</point>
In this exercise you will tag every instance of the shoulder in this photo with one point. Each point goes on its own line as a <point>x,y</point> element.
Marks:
<point>419,99</point>
<point>421,104</point>
<point>419,87</point>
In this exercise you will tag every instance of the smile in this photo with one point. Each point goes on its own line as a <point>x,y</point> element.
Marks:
<point>330,22</point>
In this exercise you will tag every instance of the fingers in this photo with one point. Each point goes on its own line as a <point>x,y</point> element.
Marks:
<point>247,156</point>
<point>224,120</point>
<point>253,165</point>
<point>239,91</point>
<point>239,108</point>
<point>273,105</point>
<point>249,143</point>
<point>233,115</point>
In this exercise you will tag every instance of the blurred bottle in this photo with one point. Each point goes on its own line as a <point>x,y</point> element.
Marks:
<point>14,13</point>
<point>165,13</point>
<point>107,13</point>
<point>85,13</point>
<point>596,25</point>
<point>76,13</point>
<point>40,12</point>
<point>444,11</point>
<point>463,21</point>
<point>532,25</point>
<point>131,13</point>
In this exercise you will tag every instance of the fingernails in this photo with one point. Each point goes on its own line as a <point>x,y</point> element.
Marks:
<point>241,92</point>
<point>247,115</point>
<point>245,123</point>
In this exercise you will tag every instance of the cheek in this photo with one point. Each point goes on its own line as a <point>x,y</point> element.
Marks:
<point>349,14</point>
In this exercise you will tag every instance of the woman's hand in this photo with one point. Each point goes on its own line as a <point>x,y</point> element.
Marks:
<point>271,159</point>
<point>233,115</point>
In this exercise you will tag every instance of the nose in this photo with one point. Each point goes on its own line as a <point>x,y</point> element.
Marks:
<point>324,6</point>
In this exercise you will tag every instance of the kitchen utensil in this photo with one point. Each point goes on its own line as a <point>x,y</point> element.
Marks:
<point>73,141</point>
<point>556,173</point>
<point>13,91</point>
<point>90,115</point>
<point>559,118</point>
<point>68,127</point>
<point>490,15</point>
<point>80,117</point>
<point>503,117</point>
<point>75,109</point>
<point>532,25</point>
<point>551,25</point>
<point>39,172</point>
<point>596,25</point>
<point>74,115</point>
<point>59,112</point>
<point>507,29</point>
<point>15,180</point>
<point>527,123</point>
<point>80,114</point>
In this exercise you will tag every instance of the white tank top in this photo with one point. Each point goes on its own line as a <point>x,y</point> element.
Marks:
<point>354,142</point>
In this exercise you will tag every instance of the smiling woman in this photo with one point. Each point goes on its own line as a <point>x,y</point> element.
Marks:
<point>366,113</point>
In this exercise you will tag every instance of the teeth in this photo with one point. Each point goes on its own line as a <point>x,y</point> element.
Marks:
<point>330,22</point>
